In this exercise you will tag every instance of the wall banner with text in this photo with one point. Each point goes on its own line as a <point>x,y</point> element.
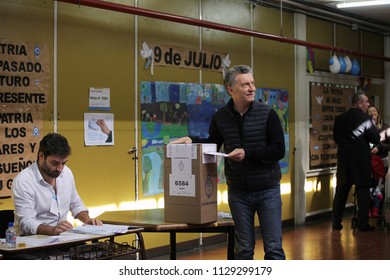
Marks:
<point>21,133</point>
<point>24,92</point>
<point>185,58</point>
<point>327,101</point>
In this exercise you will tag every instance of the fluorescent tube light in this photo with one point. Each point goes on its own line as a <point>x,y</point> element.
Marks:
<point>363,4</point>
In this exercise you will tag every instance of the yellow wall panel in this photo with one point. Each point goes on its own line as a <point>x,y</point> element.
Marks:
<point>320,31</point>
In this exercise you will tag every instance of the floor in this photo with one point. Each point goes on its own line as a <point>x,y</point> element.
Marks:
<point>314,241</point>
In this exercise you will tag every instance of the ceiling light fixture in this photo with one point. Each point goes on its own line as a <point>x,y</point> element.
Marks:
<point>362,4</point>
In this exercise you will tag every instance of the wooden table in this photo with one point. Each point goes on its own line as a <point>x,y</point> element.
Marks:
<point>75,243</point>
<point>152,220</point>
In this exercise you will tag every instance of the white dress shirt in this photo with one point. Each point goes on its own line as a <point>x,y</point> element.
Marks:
<point>37,203</point>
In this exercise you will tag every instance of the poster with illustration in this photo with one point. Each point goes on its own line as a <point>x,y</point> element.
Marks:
<point>98,129</point>
<point>278,100</point>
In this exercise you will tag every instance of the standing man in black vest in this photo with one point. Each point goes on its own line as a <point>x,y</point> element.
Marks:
<point>253,138</point>
<point>353,131</point>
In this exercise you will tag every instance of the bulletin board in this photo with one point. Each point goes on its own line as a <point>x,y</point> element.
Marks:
<point>326,102</point>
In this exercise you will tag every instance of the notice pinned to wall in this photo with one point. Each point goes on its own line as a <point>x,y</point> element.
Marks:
<point>99,99</point>
<point>98,129</point>
<point>24,91</point>
<point>327,101</point>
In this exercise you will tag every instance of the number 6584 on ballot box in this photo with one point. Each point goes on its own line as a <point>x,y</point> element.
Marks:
<point>190,183</point>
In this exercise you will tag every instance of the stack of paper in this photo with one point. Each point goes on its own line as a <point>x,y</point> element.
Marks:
<point>70,236</point>
<point>104,229</point>
<point>34,240</point>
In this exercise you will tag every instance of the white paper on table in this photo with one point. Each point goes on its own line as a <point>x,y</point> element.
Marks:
<point>34,240</point>
<point>69,236</point>
<point>224,215</point>
<point>104,229</point>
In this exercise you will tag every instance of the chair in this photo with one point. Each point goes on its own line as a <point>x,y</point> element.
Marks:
<point>6,216</point>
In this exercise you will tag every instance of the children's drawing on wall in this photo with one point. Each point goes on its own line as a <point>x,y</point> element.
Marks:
<point>172,110</point>
<point>278,100</point>
<point>98,129</point>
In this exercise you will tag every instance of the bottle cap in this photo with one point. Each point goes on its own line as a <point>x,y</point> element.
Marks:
<point>10,224</point>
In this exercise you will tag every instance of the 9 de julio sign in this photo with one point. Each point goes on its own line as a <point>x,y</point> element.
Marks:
<point>185,58</point>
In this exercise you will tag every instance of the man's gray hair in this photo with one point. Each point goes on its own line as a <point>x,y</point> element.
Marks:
<point>357,97</point>
<point>230,77</point>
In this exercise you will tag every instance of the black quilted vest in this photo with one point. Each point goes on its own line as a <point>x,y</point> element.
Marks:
<point>248,174</point>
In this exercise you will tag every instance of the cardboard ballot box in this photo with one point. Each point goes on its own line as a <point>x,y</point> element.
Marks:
<point>190,183</point>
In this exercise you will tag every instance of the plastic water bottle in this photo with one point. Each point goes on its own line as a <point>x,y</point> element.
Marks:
<point>10,236</point>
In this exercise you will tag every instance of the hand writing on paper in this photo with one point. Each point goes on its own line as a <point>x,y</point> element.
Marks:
<point>61,227</point>
<point>94,222</point>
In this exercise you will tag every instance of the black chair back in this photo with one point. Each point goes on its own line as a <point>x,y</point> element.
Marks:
<point>6,216</point>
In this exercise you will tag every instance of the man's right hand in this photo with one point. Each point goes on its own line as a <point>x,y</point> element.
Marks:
<point>237,154</point>
<point>61,227</point>
<point>182,140</point>
<point>56,230</point>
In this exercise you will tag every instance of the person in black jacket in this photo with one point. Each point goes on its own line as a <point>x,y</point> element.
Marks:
<point>253,138</point>
<point>353,132</point>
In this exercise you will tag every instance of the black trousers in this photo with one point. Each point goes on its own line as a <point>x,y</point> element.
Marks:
<point>363,199</point>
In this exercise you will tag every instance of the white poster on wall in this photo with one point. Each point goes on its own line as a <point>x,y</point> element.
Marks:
<point>98,129</point>
<point>99,99</point>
